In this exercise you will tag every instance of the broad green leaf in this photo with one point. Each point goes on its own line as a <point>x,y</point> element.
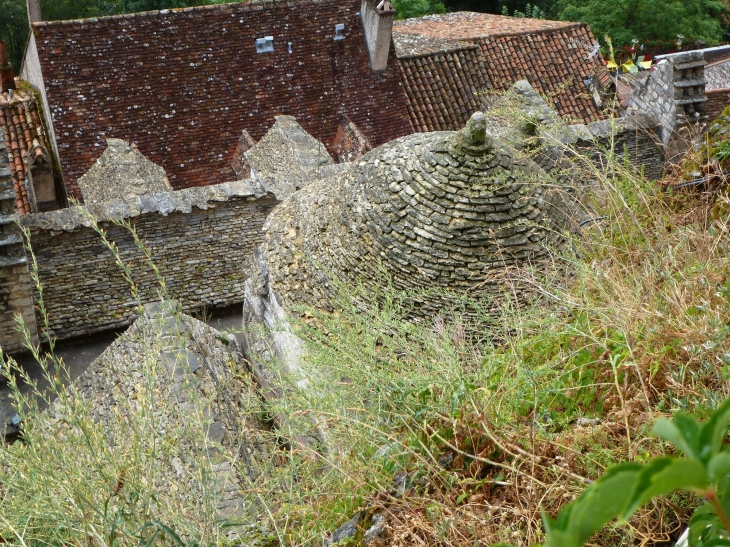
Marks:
<point>662,476</point>
<point>718,466</point>
<point>600,503</point>
<point>683,432</point>
<point>713,431</point>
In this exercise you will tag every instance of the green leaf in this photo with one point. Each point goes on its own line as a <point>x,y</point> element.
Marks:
<point>683,432</point>
<point>600,503</point>
<point>662,476</point>
<point>706,529</point>
<point>713,431</point>
<point>718,466</point>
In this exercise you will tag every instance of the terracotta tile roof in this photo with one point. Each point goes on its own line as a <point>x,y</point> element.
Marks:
<point>553,62</point>
<point>551,55</point>
<point>25,135</point>
<point>350,143</point>
<point>443,88</point>
<point>182,84</point>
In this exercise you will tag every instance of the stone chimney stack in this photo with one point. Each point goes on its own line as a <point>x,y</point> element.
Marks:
<point>377,21</point>
<point>34,11</point>
<point>7,77</point>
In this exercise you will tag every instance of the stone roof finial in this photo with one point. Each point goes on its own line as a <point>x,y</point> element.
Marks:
<point>474,133</point>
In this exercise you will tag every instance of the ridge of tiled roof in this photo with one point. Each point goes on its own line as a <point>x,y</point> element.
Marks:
<point>253,5</point>
<point>443,88</point>
<point>25,135</point>
<point>468,25</point>
<point>183,84</point>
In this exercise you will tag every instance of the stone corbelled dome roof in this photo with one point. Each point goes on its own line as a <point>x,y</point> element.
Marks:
<point>446,210</point>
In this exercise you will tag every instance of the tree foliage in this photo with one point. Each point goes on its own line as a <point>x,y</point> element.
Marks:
<point>417,8</point>
<point>624,20</point>
<point>14,28</point>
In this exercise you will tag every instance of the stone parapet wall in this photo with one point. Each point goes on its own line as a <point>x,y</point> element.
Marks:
<point>198,238</point>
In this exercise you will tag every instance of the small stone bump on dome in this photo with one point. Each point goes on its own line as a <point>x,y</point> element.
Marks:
<point>475,131</point>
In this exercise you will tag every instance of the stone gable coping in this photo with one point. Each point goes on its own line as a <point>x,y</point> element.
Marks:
<point>163,203</point>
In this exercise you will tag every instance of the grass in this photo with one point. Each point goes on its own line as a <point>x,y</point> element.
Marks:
<point>455,435</point>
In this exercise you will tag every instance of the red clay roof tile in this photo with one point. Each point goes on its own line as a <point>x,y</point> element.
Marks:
<point>23,130</point>
<point>551,55</point>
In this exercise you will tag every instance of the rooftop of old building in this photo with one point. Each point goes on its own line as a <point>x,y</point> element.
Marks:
<point>478,53</point>
<point>25,135</point>
<point>171,82</point>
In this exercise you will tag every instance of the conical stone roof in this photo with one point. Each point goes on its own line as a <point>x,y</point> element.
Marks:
<point>445,210</point>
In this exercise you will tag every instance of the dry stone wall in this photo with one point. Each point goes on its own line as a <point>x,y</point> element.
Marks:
<point>634,138</point>
<point>197,237</point>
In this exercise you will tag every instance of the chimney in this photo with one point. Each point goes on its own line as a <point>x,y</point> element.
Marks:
<point>34,11</point>
<point>377,22</point>
<point>7,77</point>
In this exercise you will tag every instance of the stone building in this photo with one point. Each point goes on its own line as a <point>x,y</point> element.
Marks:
<point>444,211</point>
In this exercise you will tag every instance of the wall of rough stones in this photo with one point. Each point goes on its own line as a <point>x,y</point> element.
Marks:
<point>197,237</point>
<point>674,92</point>
<point>653,93</point>
<point>717,76</point>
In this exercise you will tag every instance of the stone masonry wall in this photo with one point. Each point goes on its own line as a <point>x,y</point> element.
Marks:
<point>198,238</point>
<point>653,93</point>
<point>717,76</point>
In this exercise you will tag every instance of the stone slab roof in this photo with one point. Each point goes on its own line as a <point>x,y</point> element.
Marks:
<point>183,84</point>
<point>202,405</point>
<point>24,131</point>
<point>551,55</point>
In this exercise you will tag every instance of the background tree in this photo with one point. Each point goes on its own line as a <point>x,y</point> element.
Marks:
<point>624,20</point>
<point>417,8</point>
<point>14,29</point>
